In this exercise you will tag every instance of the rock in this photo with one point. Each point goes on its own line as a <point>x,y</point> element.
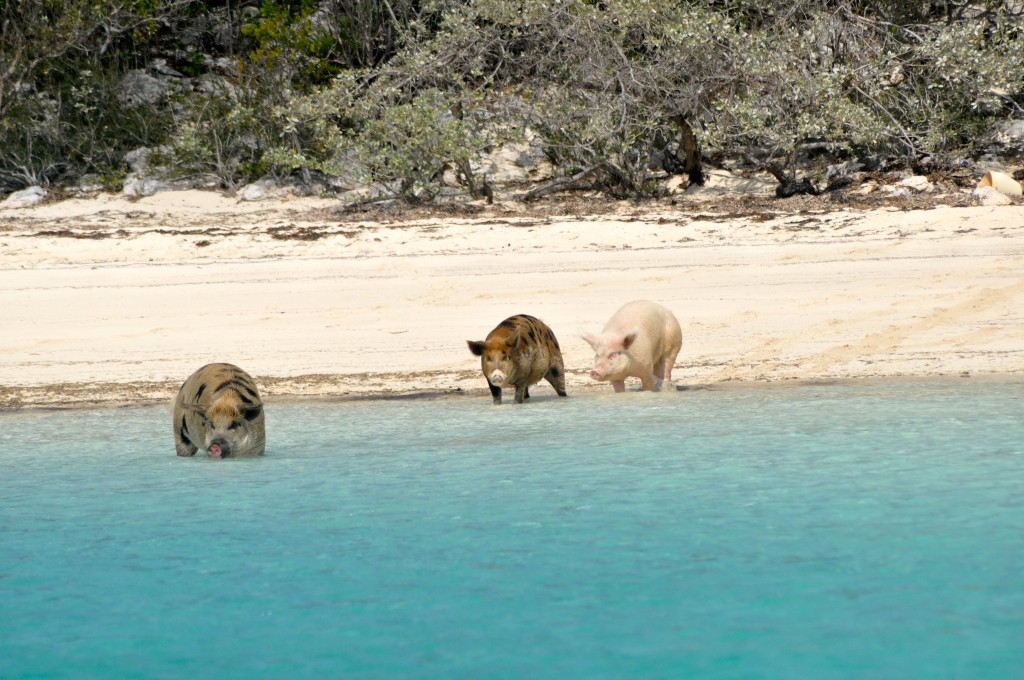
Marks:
<point>990,196</point>
<point>90,184</point>
<point>161,67</point>
<point>226,66</point>
<point>138,88</point>
<point>24,198</point>
<point>144,186</point>
<point>917,183</point>
<point>842,169</point>
<point>146,177</point>
<point>214,85</point>
<point>1010,136</point>
<point>259,190</point>
<point>137,159</point>
<point>517,162</point>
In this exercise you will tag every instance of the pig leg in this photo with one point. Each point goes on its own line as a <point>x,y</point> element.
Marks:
<point>668,361</point>
<point>648,382</point>
<point>184,449</point>
<point>526,392</point>
<point>556,376</point>
<point>619,385</point>
<point>659,370</point>
<point>495,393</point>
<point>520,393</point>
<point>662,372</point>
<point>182,444</point>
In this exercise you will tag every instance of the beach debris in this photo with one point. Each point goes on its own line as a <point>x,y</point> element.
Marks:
<point>24,198</point>
<point>1001,182</point>
<point>518,353</point>
<point>641,340</point>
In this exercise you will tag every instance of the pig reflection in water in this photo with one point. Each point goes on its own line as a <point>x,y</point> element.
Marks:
<point>641,340</point>
<point>517,354</point>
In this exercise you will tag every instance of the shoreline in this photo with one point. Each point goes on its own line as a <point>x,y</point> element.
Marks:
<point>483,395</point>
<point>110,301</point>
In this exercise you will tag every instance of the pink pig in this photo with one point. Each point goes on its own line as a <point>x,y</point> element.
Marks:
<point>641,340</point>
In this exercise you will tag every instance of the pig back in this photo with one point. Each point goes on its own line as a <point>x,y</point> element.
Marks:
<point>659,328</point>
<point>534,346</point>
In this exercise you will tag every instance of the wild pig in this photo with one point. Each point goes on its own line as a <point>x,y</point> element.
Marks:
<point>518,353</point>
<point>641,340</point>
<point>218,409</point>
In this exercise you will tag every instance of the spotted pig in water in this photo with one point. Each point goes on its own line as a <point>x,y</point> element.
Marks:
<point>641,340</point>
<point>517,354</point>
<point>219,410</point>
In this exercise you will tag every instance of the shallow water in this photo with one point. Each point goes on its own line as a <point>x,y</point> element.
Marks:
<point>868,530</point>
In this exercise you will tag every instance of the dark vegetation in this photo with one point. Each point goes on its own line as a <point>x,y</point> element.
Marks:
<point>407,96</point>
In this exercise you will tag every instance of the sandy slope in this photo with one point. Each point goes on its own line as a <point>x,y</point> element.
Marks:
<point>106,300</point>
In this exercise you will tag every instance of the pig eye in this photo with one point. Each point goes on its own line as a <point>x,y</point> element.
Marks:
<point>504,357</point>
<point>613,355</point>
<point>234,426</point>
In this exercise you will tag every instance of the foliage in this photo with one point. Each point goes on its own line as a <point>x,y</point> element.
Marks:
<point>791,87</point>
<point>401,94</point>
<point>402,143</point>
<point>950,81</point>
<point>59,77</point>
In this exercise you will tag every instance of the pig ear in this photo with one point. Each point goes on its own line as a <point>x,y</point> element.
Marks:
<point>589,337</point>
<point>629,337</point>
<point>475,346</point>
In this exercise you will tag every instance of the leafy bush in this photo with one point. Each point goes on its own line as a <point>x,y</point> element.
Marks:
<point>60,115</point>
<point>400,143</point>
<point>396,94</point>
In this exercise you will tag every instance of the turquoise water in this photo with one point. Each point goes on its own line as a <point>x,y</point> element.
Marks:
<point>869,530</point>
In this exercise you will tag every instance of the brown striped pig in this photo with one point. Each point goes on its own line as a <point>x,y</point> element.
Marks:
<point>218,409</point>
<point>641,340</point>
<point>517,354</point>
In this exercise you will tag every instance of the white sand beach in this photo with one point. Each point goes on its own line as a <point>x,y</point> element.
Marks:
<point>110,300</point>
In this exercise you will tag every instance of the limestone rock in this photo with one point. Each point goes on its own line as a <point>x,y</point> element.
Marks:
<point>990,196</point>
<point>24,198</point>
<point>138,87</point>
<point>917,183</point>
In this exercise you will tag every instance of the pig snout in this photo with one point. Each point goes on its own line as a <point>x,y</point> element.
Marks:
<point>219,448</point>
<point>602,369</point>
<point>497,378</point>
